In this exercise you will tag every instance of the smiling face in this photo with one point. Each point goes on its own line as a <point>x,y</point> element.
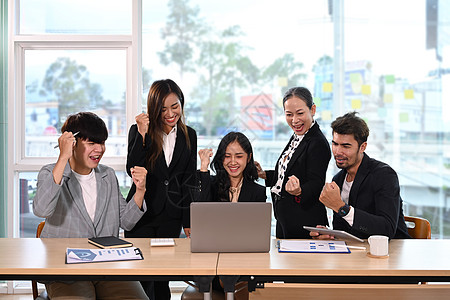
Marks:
<point>171,112</point>
<point>235,160</point>
<point>86,156</point>
<point>346,152</point>
<point>298,116</point>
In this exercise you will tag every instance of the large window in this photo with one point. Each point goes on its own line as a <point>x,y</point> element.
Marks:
<point>61,82</point>
<point>389,60</point>
<point>64,59</point>
<point>83,17</point>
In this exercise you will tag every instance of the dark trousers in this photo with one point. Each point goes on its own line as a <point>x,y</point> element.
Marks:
<point>161,227</point>
<point>156,290</point>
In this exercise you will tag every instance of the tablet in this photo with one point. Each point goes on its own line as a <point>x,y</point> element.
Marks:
<point>336,233</point>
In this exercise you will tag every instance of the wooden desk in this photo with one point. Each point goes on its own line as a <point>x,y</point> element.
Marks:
<point>409,261</point>
<point>44,259</point>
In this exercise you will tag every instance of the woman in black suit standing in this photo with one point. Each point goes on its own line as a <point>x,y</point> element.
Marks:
<point>235,172</point>
<point>161,142</point>
<point>300,171</point>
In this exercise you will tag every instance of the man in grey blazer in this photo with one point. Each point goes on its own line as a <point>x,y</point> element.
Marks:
<point>79,198</point>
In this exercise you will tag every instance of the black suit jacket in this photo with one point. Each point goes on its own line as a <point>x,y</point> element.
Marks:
<point>250,190</point>
<point>375,197</point>
<point>167,188</point>
<point>309,164</point>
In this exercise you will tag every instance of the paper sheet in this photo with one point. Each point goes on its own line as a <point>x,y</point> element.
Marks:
<point>313,246</point>
<point>74,256</point>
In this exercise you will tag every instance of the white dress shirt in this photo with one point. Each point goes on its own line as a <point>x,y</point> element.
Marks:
<point>169,144</point>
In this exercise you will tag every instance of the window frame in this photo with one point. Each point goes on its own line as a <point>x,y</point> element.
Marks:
<point>18,44</point>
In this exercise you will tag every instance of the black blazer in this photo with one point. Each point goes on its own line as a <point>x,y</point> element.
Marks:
<point>250,190</point>
<point>309,164</point>
<point>167,188</point>
<point>375,196</point>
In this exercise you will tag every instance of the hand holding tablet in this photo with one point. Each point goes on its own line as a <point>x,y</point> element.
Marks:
<point>336,233</point>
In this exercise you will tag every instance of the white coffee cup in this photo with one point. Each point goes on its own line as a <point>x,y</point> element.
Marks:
<point>378,245</point>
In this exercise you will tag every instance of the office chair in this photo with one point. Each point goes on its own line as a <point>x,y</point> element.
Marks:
<point>43,295</point>
<point>418,228</point>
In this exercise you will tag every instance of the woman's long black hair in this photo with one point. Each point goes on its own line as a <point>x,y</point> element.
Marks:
<point>223,180</point>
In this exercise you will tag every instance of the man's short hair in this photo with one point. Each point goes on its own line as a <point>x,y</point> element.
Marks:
<point>90,127</point>
<point>351,124</point>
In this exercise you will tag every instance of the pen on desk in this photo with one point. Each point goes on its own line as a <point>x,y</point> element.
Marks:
<point>73,135</point>
<point>356,247</point>
<point>350,247</point>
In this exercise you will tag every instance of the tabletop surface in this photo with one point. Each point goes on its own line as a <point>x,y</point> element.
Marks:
<point>24,256</point>
<point>46,256</point>
<point>406,258</point>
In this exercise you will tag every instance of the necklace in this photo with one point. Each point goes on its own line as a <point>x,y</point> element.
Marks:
<point>234,191</point>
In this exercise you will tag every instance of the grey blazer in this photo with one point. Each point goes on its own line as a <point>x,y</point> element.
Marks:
<point>63,206</point>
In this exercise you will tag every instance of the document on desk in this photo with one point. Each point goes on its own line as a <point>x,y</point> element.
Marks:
<point>312,246</point>
<point>76,256</point>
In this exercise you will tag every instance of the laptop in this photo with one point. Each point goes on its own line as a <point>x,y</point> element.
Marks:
<point>230,227</point>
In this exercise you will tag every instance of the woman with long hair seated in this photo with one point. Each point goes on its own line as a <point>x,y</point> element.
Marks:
<point>235,170</point>
<point>234,182</point>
